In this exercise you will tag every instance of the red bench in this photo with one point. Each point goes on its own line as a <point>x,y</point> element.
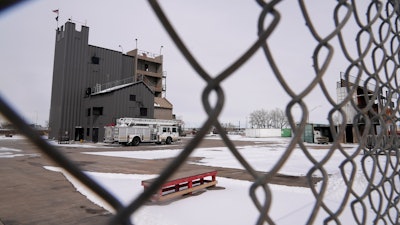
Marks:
<point>183,183</point>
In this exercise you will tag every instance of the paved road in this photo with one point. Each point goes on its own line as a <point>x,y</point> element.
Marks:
<point>31,194</point>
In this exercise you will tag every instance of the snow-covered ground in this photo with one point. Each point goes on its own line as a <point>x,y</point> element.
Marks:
<point>232,204</point>
<point>261,157</point>
<point>12,152</point>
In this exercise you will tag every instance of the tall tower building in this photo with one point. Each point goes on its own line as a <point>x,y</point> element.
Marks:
<point>94,86</point>
<point>70,66</point>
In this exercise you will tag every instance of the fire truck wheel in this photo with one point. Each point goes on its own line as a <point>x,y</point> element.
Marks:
<point>168,141</point>
<point>135,141</point>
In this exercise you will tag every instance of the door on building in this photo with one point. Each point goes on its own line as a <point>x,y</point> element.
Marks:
<point>308,135</point>
<point>349,134</point>
<point>79,133</point>
<point>95,135</point>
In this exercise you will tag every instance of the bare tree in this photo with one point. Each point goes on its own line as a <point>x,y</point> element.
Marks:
<point>279,118</point>
<point>258,119</point>
<point>268,119</point>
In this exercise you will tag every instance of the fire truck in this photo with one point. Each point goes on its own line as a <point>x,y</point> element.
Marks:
<point>133,131</point>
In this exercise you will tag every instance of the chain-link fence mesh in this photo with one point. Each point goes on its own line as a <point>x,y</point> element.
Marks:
<point>366,112</point>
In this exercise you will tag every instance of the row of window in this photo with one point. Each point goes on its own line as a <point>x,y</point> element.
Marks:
<point>169,129</point>
<point>96,61</point>
<point>88,92</point>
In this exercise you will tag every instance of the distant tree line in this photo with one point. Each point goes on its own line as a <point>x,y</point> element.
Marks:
<point>274,118</point>
<point>9,129</point>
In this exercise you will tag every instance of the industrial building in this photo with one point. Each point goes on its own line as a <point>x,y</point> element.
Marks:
<point>93,86</point>
<point>378,101</point>
<point>366,104</point>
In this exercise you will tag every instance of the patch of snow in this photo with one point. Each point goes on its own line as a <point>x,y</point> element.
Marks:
<point>231,205</point>
<point>261,158</point>
<point>12,152</point>
<point>14,137</point>
<point>78,144</point>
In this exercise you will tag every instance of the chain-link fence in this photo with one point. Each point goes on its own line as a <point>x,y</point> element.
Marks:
<point>366,112</point>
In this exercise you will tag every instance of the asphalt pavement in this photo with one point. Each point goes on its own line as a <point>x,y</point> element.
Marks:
<point>31,194</point>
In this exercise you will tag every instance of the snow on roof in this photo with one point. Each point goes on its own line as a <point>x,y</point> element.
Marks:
<point>162,103</point>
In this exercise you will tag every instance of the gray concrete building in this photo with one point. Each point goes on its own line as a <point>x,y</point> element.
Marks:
<point>93,86</point>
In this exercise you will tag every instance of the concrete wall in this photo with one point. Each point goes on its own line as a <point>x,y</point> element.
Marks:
<point>348,109</point>
<point>263,132</point>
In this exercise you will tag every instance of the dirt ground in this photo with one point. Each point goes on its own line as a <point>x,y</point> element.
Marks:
<point>31,194</point>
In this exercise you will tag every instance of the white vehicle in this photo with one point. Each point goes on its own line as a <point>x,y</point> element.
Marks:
<point>133,131</point>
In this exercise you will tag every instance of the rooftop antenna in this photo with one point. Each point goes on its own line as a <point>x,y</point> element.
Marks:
<point>122,50</point>
<point>161,48</point>
<point>136,42</point>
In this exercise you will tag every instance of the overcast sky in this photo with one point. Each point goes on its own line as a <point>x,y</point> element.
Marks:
<point>216,32</point>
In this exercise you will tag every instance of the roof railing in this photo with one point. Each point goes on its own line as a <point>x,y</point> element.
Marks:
<point>103,87</point>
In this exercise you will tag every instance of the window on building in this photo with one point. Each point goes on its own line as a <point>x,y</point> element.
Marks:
<point>132,98</point>
<point>143,111</point>
<point>88,112</point>
<point>146,67</point>
<point>97,111</point>
<point>95,60</point>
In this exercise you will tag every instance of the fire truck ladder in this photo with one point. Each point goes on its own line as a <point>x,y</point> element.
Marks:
<point>144,121</point>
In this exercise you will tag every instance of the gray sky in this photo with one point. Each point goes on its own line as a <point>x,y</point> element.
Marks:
<point>216,32</point>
